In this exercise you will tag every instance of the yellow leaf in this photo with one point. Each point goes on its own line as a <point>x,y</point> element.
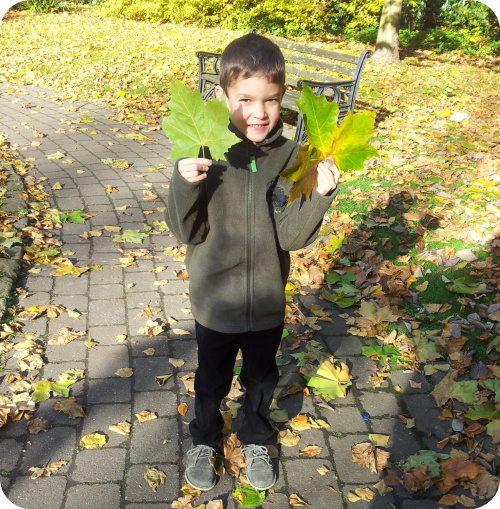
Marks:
<point>73,314</point>
<point>300,423</point>
<point>56,155</point>
<point>162,379</point>
<point>296,501</point>
<point>365,494</point>
<point>125,372</point>
<point>288,438</point>
<point>154,477</point>
<point>123,428</point>
<point>311,450</point>
<point>145,416</point>
<point>378,440</point>
<point>93,441</point>
<point>421,288</point>
<point>322,470</point>
<point>177,363</point>
<point>149,351</point>
<point>121,338</point>
<point>182,409</point>
<point>56,187</point>
<point>90,344</point>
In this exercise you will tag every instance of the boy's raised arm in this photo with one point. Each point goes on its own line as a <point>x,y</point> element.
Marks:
<point>186,212</point>
<point>298,225</point>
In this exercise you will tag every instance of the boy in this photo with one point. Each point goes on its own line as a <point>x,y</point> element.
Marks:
<point>234,218</point>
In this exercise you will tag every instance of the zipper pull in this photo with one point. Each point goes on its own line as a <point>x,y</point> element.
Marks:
<point>253,163</point>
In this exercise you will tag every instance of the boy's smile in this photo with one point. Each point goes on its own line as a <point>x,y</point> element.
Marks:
<point>254,105</point>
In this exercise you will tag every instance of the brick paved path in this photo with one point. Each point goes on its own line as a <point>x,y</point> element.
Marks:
<point>110,302</point>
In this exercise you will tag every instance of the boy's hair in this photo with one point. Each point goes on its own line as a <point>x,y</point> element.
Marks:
<point>250,55</point>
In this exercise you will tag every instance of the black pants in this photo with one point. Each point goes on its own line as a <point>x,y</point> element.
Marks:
<point>259,375</point>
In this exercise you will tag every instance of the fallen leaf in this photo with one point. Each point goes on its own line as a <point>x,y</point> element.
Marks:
<point>125,372</point>
<point>154,477</point>
<point>296,501</point>
<point>177,363</point>
<point>288,438</point>
<point>182,409</point>
<point>311,450</point>
<point>368,455</point>
<point>145,416</point>
<point>123,428</point>
<point>93,441</point>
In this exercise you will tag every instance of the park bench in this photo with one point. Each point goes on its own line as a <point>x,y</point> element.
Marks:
<point>336,75</point>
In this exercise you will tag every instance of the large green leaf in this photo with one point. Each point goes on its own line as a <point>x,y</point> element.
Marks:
<point>331,380</point>
<point>425,458</point>
<point>320,118</point>
<point>346,145</point>
<point>194,124</point>
<point>248,496</point>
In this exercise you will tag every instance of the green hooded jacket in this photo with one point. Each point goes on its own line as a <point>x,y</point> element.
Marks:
<point>239,231</point>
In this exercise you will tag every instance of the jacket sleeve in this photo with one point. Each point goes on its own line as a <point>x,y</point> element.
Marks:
<point>186,212</point>
<point>298,224</point>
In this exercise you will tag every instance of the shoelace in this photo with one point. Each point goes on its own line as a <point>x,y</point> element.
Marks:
<point>201,451</point>
<point>258,452</point>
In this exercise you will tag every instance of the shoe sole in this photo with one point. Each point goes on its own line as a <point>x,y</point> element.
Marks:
<point>259,488</point>
<point>197,487</point>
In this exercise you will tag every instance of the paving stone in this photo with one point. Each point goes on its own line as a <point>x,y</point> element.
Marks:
<point>306,482</point>
<point>137,300</point>
<point>46,492</point>
<point>107,312</point>
<point>106,292</point>
<point>137,489</point>
<point>57,444</point>
<point>99,465</point>
<point>10,451</point>
<point>155,440</point>
<point>342,346</point>
<point>105,361</point>
<point>402,442</point>
<point>160,345</point>
<point>422,408</point>
<point>346,419</point>
<point>403,378</point>
<point>347,470</point>
<point>106,335</point>
<point>147,369</point>
<point>100,417</point>
<point>75,351</point>
<point>115,390</point>
<point>307,438</point>
<point>361,369</point>
<point>163,402</point>
<point>103,496</point>
<point>379,403</point>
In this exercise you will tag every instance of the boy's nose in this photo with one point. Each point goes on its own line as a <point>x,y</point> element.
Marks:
<point>259,111</point>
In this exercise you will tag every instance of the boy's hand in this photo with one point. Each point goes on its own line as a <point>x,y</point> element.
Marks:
<point>328,177</point>
<point>194,169</point>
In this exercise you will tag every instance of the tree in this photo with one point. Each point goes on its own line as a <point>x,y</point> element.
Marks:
<point>387,48</point>
<point>432,13</point>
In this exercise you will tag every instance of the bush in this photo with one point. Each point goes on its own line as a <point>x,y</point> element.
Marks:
<point>38,6</point>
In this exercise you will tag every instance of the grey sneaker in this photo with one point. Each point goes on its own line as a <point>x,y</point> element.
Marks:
<point>259,469</point>
<point>200,473</point>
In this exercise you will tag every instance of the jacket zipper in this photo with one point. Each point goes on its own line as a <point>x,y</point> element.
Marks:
<point>253,166</point>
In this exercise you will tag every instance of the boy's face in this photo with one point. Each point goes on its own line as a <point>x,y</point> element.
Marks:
<point>254,105</point>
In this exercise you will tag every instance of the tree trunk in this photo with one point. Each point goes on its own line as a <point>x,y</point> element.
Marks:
<point>387,48</point>
<point>432,12</point>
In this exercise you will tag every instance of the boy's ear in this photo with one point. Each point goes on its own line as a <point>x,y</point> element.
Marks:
<point>219,92</point>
